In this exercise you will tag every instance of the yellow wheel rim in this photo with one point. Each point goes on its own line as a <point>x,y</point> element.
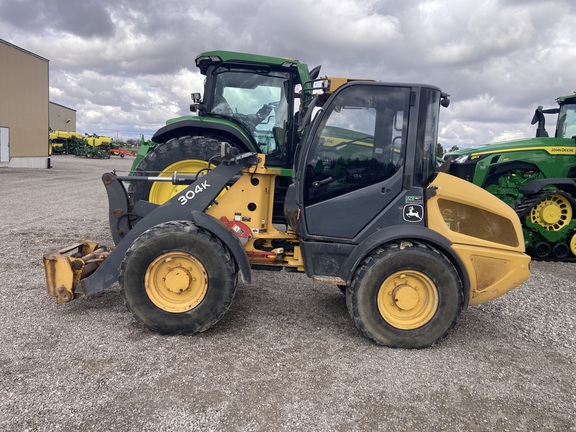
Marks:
<point>160,192</point>
<point>407,299</point>
<point>176,282</point>
<point>573,244</point>
<point>554,213</point>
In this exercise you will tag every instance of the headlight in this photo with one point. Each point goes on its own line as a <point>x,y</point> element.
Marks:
<point>461,159</point>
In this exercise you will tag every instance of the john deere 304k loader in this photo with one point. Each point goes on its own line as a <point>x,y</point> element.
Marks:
<point>366,211</point>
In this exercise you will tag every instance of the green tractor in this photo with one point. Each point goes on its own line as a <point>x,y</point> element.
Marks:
<point>536,177</point>
<point>250,102</point>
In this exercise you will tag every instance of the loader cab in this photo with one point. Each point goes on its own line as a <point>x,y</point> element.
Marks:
<point>365,162</point>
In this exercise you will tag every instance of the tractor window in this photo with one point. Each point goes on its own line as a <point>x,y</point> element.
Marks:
<point>360,141</point>
<point>566,121</point>
<point>258,100</point>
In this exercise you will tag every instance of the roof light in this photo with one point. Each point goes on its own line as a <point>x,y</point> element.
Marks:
<point>209,58</point>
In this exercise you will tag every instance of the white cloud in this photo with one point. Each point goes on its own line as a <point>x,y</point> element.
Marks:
<point>129,66</point>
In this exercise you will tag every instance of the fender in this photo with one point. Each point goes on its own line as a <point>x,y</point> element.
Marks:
<point>563,184</point>
<point>226,236</point>
<point>207,126</point>
<point>404,232</point>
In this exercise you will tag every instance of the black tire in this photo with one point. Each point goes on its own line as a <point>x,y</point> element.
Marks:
<point>166,154</point>
<point>389,273</point>
<point>204,300</point>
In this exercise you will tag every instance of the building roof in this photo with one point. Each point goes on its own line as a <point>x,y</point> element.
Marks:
<point>23,50</point>
<point>63,106</point>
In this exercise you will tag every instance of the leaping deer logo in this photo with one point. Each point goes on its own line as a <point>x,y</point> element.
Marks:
<point>413,213</point>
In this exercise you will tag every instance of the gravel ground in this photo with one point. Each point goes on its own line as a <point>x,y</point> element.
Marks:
<point>285,357</point>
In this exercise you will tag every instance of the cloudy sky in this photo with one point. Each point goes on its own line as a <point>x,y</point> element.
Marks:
<point>128,66</point>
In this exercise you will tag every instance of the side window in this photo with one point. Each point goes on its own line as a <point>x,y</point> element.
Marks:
<point>425,160</point>
<point>360,142</point>
<point>567,121</point>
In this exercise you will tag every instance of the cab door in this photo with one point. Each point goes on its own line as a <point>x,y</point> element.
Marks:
<point>352,167</point>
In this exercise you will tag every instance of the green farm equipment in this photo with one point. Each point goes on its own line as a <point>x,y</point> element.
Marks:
<point>95,146</point>
<point>64,142</point>
<point>536,177</point>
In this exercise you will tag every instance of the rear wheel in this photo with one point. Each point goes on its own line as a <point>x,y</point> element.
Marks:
<point>553,213</point>
<point>405,295</point>
<point>185,155</point>
<point>178,279</point>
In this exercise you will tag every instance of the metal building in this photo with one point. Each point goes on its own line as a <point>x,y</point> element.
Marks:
<point>24,108</point>
<point>62,118</point>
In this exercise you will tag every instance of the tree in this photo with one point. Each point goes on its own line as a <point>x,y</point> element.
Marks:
<point>439,150</point>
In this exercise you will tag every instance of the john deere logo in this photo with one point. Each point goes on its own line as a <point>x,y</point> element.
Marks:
<point>413,213</point>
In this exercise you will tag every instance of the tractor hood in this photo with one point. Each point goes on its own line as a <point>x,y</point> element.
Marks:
<point>553,146</point>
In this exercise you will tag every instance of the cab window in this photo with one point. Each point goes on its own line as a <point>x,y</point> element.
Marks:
<point>360,142</point>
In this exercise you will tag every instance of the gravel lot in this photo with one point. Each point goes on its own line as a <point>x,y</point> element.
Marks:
<point>285,357</point>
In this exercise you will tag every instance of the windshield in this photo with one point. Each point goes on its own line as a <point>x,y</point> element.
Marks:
<point>257,99</point>
<point>566,121</point>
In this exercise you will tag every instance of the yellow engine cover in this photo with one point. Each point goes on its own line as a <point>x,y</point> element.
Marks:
<point>486,235</point>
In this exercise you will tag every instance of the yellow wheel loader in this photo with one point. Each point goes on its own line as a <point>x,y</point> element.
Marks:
<point>365,210</point>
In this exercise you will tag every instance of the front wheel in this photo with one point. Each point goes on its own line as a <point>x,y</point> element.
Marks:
<point>178,279</point>
<point>405,295</point>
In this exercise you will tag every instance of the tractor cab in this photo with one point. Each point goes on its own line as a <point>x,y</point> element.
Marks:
<point>566,122</point>
<point>566,126</point>
<point>255,94</point>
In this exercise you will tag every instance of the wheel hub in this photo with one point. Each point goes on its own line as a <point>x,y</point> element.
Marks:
<point>550,214</point>
<point>405,297</point>
<point>408,299</point>
<point>553,213</point>
<point>176,282</point>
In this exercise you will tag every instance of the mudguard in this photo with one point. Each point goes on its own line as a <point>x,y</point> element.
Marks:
<point>225,234</point>
<point>399,232</point>
<point>205,126</point>
<point>564,184</point>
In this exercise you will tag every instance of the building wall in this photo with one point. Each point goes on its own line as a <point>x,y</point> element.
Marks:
<point>62,118</point>
<point>24,105</point>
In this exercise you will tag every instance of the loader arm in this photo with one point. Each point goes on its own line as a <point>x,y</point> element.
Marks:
<point>196,198</point>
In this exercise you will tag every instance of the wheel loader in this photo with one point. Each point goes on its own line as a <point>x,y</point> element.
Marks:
<point>536,177</point>
<point>365,210</point>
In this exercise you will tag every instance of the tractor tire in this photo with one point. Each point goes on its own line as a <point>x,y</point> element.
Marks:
<point>186,155</point>
<point>405,295</point>
<point>177,278</point>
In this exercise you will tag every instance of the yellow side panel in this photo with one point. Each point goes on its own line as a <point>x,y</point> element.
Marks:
<point>450,188</point>
<point>492,272</point>
<point>250,200</point>
<point>485,233</point>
